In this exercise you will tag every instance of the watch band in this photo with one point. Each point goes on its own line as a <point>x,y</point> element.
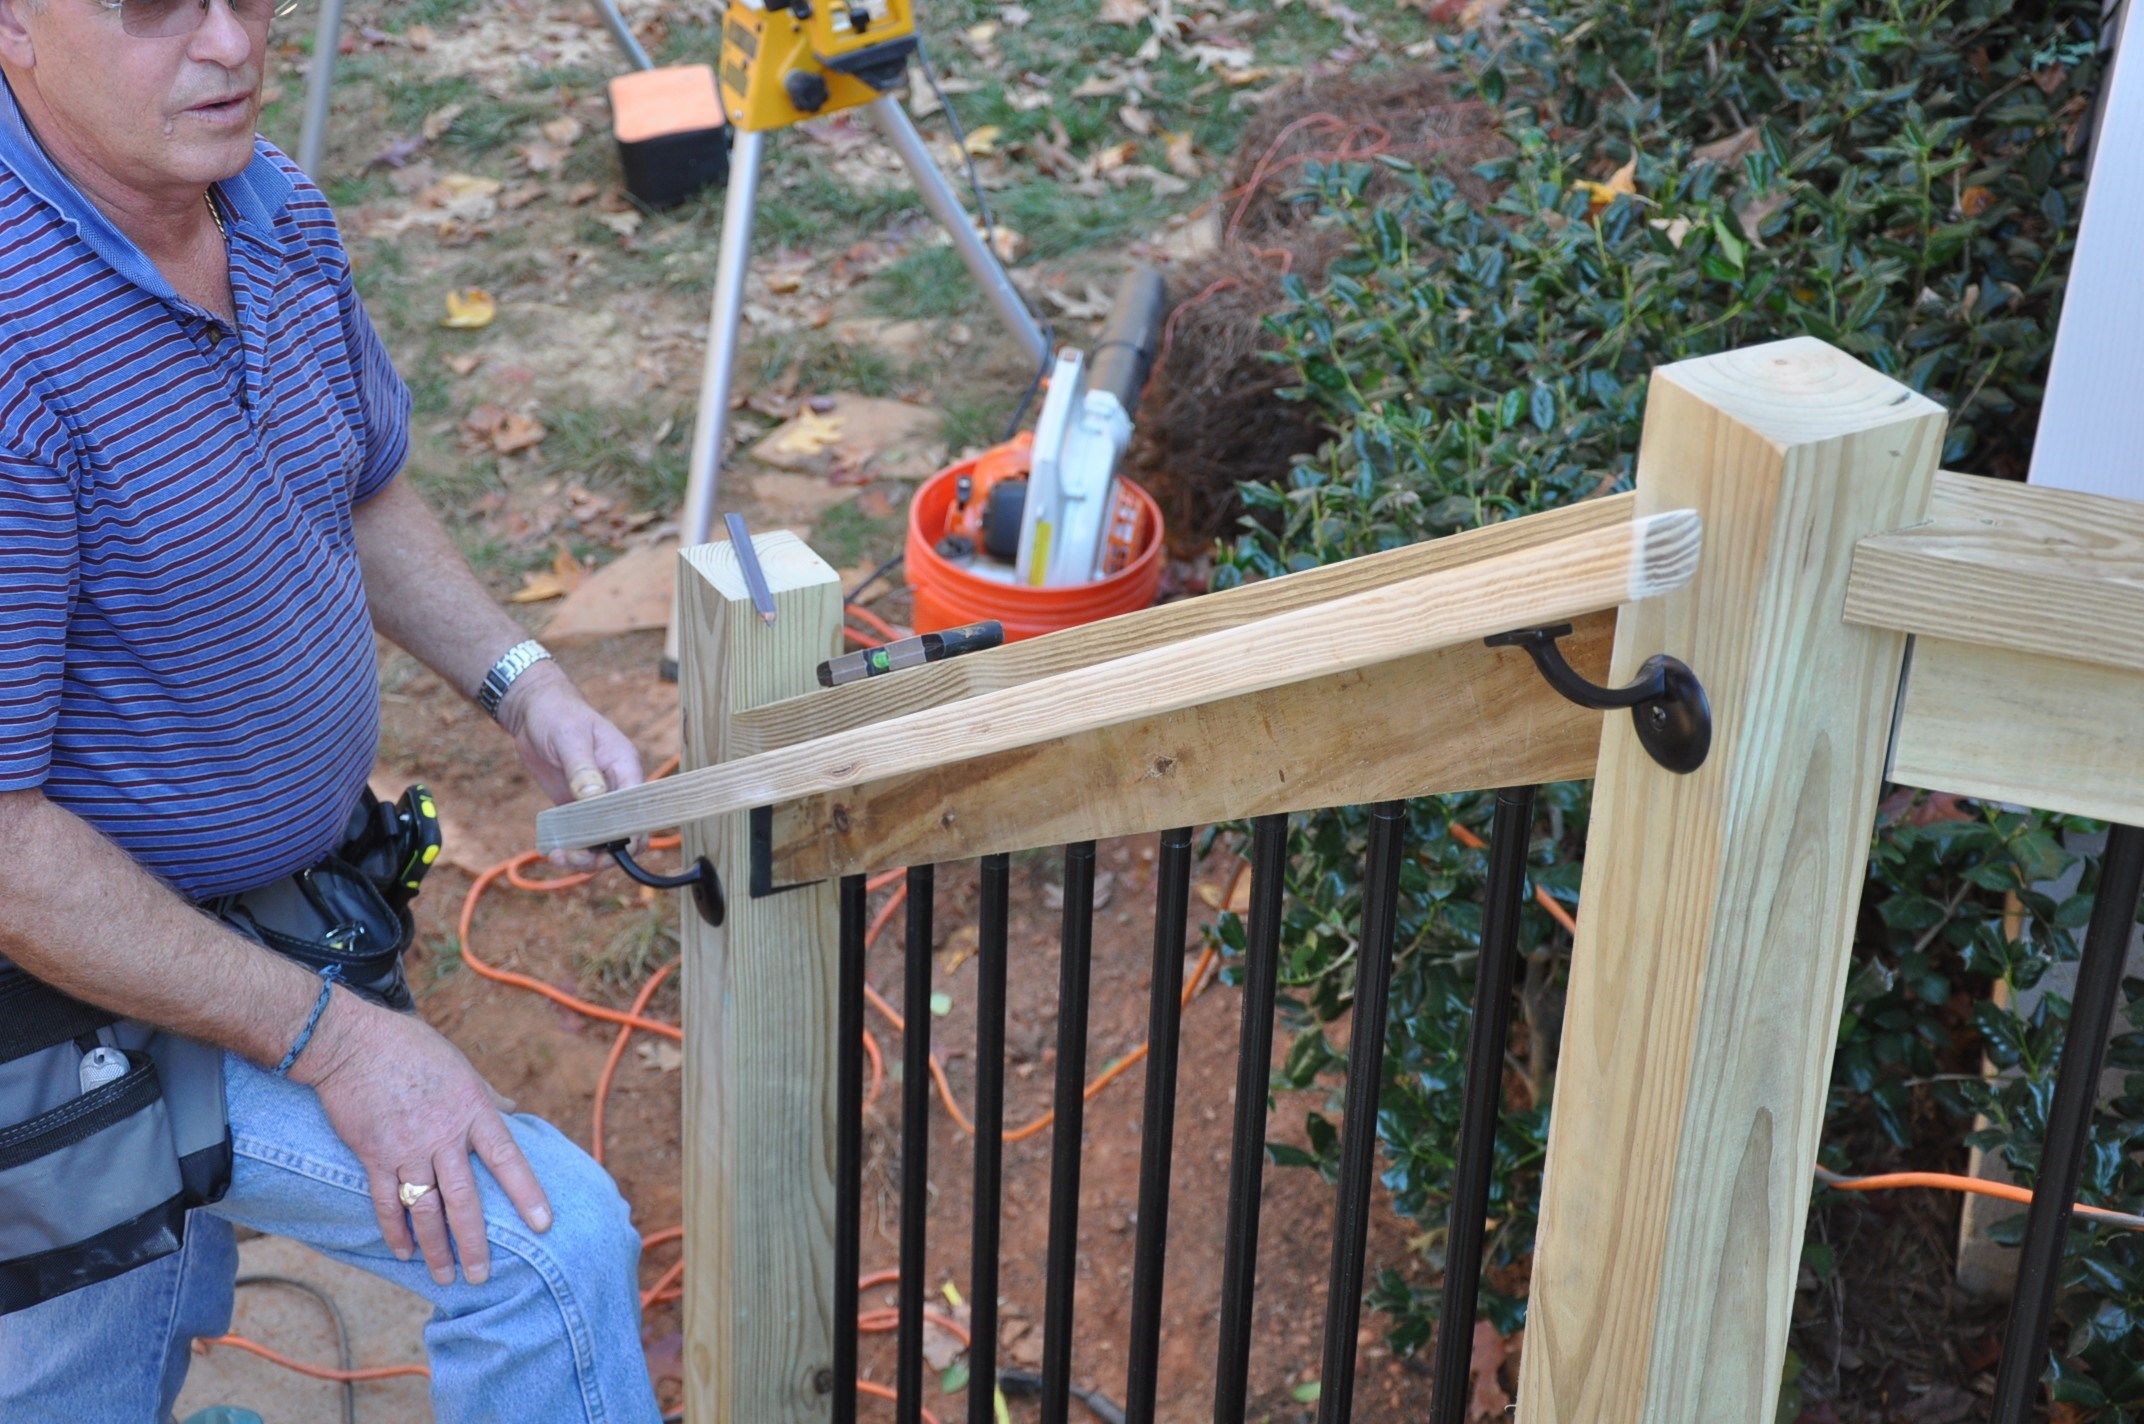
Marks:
<point>511,664</point>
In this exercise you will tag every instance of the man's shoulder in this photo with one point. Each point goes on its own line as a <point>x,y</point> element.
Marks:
<point>39,256</point>
<point>37,243</point>
<point>296,207</point>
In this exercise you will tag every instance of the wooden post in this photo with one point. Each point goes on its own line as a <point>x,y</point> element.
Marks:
<point>759,1009</point>
<point>1717,908</point>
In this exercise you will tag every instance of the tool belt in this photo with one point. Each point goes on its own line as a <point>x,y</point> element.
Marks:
<point>111,1130</point>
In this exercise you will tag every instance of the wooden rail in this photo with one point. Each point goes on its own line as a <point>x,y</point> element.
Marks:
<point>2027,606</point>
<point>1552,582</point>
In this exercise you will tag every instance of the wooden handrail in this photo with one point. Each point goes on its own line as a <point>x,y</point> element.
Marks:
<point>1553,582</point>
<point>825,711</point>
<point>2044,572</point>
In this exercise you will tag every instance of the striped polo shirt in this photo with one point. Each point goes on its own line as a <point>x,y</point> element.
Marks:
<point>186,658</point>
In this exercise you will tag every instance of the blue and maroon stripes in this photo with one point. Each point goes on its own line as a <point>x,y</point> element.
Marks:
<point>186,659</point>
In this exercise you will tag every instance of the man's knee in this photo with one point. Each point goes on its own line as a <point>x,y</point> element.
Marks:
<point>592,1242</point>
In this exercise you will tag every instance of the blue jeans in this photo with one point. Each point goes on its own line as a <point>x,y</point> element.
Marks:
<point>552,1338</point>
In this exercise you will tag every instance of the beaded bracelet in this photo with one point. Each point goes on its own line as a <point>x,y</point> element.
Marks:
<point>329,977</point>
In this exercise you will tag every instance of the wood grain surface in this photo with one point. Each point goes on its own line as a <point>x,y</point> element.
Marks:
<point>2038,571</point>
<point>759,1009</point>
<point>1716,911</point>
<point>1456,719</point>
<point>1549,583</point>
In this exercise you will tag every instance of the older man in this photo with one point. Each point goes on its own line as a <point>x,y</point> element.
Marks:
<point>199,437</point>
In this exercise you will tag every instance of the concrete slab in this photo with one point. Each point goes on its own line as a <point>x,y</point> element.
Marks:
<point>386,1328</point>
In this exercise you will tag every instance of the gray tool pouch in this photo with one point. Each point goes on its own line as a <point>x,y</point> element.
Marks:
<point>95,1183</point>
<point>96,1177</point>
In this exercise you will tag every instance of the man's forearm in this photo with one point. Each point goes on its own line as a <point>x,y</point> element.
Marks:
<point>423,594</point>
<point>85,919</point>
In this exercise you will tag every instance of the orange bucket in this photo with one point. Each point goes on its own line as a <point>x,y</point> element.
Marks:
<point>947,596</point>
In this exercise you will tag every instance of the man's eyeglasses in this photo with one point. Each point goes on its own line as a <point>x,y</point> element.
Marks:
<point>168,19</point>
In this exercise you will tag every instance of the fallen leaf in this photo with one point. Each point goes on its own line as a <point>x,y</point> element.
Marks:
<point>1488,1401</point>
<point>564,131</point>
<point>1124,12</point>
<point>462,363</point>
<point>1623,180</point>
<point>660,1055</point>
<point>1975,200</point>
<point>624,224</point>
<point>517,433</point>
<point>1754,214</point>
<point>1023,1343</point>
<point>1731,149</point>
<point>501,429</point>
<point>941,1346</point>
<point>1676,229</point>
<point>536,588</point>
<point>396,152</point>
<point>1138,120</point>
<point>981,35</point>
<point>1094,303</point>
<point>809,433</point>
<point>522,194</point>
<point>960,947</point>
<point>1006,243</point>
<point>1182,158</point>
<point>470,310</point>
<point>981,142</point>
<point>440,120</point>
<point>418,37</point>
<point>541,155</point>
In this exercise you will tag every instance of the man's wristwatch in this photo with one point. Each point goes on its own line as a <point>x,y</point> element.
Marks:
<point>511,664</point>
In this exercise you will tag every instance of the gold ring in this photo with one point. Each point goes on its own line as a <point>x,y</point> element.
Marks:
<point>413,1192</point>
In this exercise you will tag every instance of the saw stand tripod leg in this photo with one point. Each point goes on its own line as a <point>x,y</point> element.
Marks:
<point>718,377</point>
<point>974,248</point>
<point>320,88</point>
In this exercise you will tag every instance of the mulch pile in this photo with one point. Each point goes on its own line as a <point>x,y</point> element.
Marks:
<point>1212,415</point>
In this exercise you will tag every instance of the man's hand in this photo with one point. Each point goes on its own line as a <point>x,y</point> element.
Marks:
<point>571,749</point>
<point>413,1110</point>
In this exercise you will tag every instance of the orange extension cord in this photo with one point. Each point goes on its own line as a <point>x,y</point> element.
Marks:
<point>882,1320</point>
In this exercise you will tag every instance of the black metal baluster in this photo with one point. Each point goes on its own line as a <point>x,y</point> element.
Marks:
<point>1484,1091</point>
<point>1254,1069</point>
<point>1069,1105</point>
<point>989,1140</point>
<point>2069,1125</point>
<point>1164,1017</point>
<point>915,1142</point>
<point>848,1144</point>
<point>1358,1133</point>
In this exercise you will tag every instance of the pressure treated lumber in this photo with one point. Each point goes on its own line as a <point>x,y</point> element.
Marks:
<point>2039,571</point>
<point>823,712</point>
<point>1456,719</point>
<point>1581,573</point>
<point>2032,730</point>
<point>1716,912</point>
<point>760,1009</point>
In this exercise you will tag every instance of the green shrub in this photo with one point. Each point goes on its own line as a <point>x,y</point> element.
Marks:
<point>1901,181</point>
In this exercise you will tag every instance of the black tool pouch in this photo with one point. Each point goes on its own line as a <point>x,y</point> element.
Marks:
<point>99,1164</point>
<point>328,915</point>
<point>351,910</point>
